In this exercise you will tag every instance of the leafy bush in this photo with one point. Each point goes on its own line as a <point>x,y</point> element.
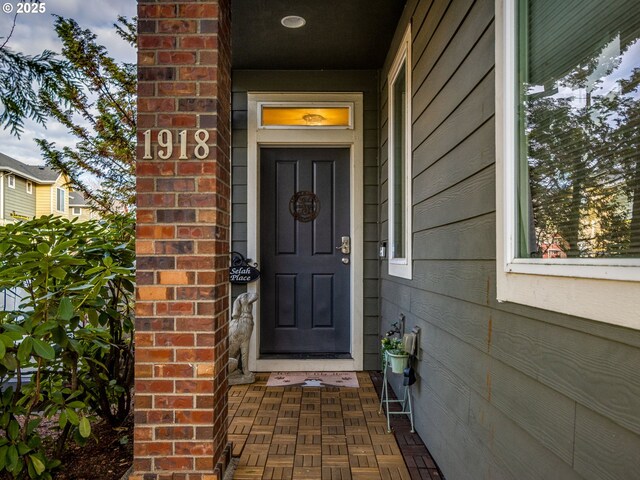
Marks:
<point>72,334</point>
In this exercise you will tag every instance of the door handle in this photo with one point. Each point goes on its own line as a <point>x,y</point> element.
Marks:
<point>345,248</point>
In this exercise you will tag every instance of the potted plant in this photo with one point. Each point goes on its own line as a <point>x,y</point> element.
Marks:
<point>394,354</point>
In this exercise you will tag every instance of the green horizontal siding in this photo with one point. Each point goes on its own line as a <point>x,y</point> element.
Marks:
<point>17,200</point>
<point>504,391</point>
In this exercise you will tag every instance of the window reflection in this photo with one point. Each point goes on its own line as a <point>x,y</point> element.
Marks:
<point>579,171</point>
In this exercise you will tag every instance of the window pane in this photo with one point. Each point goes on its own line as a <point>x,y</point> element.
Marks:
<point>60,200</point>
<point>579,123</point>
<point>305,116</point>
<point>399,109</point>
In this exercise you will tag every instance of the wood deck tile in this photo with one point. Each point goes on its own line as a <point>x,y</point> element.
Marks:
<point>290,433</point>
<point>365,473</point>
<point>260,448</point>
<point>386,449</point>
<point>335,460</point>
<point>307,461</point>
<point>336,473</point>
<point>278,473</point>
<point>280,461</point>
<point>361,450</point>
<point>282,449</point>
<point>253,460</point>
<point>308,449</point>
<point>307,473</point>
<point>248,473</point>
<point>362,461</point>
<point>335,449</point>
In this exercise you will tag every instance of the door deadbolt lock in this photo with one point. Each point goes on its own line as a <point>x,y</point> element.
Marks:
<point>345,248</point>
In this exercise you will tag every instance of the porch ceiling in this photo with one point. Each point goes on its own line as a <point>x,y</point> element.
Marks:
<point>339,34</point>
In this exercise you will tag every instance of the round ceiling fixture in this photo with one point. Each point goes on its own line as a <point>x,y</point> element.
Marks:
<point>293,21</point>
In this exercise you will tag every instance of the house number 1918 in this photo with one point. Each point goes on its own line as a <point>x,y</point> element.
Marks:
<point>165,144</point>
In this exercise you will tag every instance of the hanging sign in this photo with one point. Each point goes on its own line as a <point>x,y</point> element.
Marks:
<point>241,271</point>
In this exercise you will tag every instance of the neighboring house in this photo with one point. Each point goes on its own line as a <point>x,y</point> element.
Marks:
<point>395,159</point>
<point>79,207</point>
<point>28,191</point>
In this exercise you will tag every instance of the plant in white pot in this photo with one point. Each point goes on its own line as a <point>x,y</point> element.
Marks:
<point>394,354</point>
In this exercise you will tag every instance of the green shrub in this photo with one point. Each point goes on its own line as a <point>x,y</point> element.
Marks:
<point>72,333</point>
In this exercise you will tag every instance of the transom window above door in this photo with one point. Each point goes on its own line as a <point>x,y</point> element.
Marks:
<point>298,115</point>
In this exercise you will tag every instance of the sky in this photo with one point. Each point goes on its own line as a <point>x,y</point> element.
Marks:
<point>34,33</point>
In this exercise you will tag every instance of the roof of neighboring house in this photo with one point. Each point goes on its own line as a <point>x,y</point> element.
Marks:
<point>76,199</point>
<point>36,173</point>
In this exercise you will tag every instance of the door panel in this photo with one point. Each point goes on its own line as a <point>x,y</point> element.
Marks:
<point>305,286</point>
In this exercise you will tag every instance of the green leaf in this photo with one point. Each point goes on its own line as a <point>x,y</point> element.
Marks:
<point>10,362</point>
<point>43,349</point>
<point>30,470</point>
<point>23,449</point>
<point>72,416</point>
<point>62,420</point>
<point>33,424</point>
<point>58,273</point>
<point>3,349</point>
<point>37,464</point>
<point>64,245</point>
<point>93,317</point>
<point>45,327</point>
<point>12,458</point>
<point>6,340</point>
<point>11,327</point>
<point>24,350</point>
<point>6,416</point>
<point>14,430</point>
<point>85,427</point>
<point>3,456</point>
<point>44,248</point>
<point>108,261</point>
<point>65,310</point>
<point>18,468</point>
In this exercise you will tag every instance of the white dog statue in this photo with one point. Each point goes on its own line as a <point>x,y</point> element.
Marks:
<point>240,330</point>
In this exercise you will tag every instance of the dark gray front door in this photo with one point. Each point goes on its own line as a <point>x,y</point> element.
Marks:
<point>305,287</point>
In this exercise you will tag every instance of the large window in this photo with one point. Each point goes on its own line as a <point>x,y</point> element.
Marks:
<point>579,112</point>
<point>568,97</point>
<point>399,83</point>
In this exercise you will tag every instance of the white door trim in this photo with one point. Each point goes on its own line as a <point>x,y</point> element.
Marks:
<point>350,138</point>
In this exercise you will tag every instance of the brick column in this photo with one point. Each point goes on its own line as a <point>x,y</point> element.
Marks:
<point>184,96</point>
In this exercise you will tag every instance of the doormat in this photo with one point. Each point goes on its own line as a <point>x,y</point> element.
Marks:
<point>313,379</point>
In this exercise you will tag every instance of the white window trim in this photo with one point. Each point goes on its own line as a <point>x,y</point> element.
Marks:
<point>64,196</point>
<point>11,181</point>
<point>400,267</point>
<point>76,210</point>
<point>29,187</point>
<point>606,290</point>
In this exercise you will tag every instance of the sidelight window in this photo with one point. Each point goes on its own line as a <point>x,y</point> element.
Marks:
<point>399,162</point>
